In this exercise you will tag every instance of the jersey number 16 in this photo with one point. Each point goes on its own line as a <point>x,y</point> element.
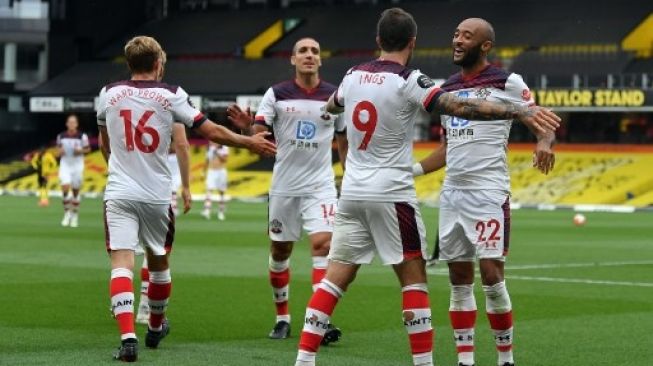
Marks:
<point>135,136</point>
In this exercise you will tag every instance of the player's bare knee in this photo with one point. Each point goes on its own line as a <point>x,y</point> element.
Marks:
<point>411,272</point>
<point>461,273</point>
<point>491,272</point>
<point>341,274</point>
<point>281,250</point>
<point>157,262</point>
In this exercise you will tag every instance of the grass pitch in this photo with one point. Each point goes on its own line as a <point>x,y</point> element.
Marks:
<point>581,295</point>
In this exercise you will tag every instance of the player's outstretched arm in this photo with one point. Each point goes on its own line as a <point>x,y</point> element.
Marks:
<point>435,161</point>
<point>244,119</point>
<point>182,150</point>
<point>540,119</point>
<point>221,135</point>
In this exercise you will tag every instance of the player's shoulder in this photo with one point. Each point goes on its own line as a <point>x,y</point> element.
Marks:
<point>290,90</point>
<point>383,66</point>
<point>143,84</point>
<point>490,77</point>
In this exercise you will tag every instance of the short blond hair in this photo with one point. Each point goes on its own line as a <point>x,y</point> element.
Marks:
<point>142,52</point>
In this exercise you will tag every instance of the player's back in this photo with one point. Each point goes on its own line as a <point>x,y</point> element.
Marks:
<point>380,111</point>
<point>139,115</point>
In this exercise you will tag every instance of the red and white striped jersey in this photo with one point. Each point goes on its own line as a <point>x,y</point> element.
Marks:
<point>138,115</point>
<point>68,143</point>
<point>476,150</point>
<point>303,134</point>
<point>382,101</point>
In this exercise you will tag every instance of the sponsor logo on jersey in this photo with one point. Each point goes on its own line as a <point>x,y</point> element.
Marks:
<point>306,130</point>
<point>276,226</point>
<point>425,82</point>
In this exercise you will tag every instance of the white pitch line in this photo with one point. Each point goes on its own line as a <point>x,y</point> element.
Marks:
<point>444,271</point>
<point>560,265</point>
<point>578,265</point>
<point>578,280</point>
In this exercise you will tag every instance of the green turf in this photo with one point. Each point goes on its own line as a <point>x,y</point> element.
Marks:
<point>54,294</point>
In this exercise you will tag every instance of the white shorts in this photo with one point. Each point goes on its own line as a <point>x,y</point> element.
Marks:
<point>286,214</point>
<point>216,179</point>
<point>130,224</point>
<point>474,224</point>
<point>392,229</point>
<point>71,175</point>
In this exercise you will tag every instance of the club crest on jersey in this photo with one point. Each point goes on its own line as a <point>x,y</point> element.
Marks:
<point>306,130</point>
<point>482,93</point>
<point>275,226</point>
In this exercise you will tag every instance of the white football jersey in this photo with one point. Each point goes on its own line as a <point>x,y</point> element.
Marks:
<point>138,115</point>
<point>68,143</point>
<point>214,152</point>
<point>476,150</point>
<point>303,136</point>
<point>382,101</point>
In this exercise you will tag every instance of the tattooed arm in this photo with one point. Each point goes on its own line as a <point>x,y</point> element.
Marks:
<point>540,119</point>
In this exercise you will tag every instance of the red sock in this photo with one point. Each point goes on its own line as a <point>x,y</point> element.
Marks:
<point>463,323</point>
<point>318,314</point>
<point>279,281</point>
<point>417,320</point>
<point>158,294</point>
<point>319,270</point>
<point>501,325</point>
<point>145,278</point>
<point>121,291</point>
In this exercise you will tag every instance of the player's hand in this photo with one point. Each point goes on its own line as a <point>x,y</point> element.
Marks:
<point>543,157</point>
<point>187,198</point>
<point>540,119</point>
<point>241,119</point>
<point>261,145</point>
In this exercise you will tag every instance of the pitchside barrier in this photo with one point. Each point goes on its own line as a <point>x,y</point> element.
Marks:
<point>616,178</point>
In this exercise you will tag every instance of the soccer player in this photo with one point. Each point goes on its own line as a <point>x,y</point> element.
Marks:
<point>475,197</point>
<point>303,191</point>
<point>378,210</point>
<point>72,145</point>
<point>135,119</point>
<point>216,178</point>
<point>43,163</point>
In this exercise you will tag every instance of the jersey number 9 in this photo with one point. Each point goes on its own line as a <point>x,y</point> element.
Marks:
<point>369,126</point>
